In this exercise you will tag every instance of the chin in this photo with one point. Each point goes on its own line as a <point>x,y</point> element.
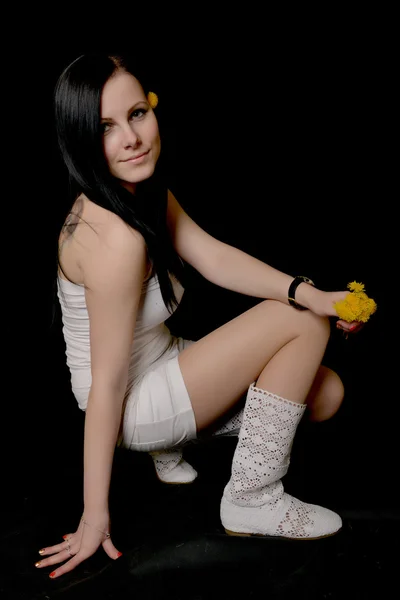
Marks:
<point>146,172</point>
<point>140,175</point>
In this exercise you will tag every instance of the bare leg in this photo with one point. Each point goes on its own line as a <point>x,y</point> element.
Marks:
<point>272,343</point>
<point>323,401</point>
<point>281,349</point>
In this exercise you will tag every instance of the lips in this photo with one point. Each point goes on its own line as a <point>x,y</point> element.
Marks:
<point>137,156</point>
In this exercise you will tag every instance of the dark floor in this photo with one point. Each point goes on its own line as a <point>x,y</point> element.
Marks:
<point>172,541</point>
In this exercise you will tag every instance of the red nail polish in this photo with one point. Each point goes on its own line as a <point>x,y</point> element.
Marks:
<point>64,537</point>
<point>352,327</point>
<point>119,554</point>
<point>52,574</point>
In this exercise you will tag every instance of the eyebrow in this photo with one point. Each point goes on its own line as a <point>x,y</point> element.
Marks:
<point>129,111</point>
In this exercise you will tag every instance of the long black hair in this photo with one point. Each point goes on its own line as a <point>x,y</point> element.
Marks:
<point>77,99</point>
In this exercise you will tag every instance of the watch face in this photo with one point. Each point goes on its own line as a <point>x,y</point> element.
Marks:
<point>307,280</point>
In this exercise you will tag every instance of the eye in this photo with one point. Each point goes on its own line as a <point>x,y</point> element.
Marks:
<point>138,113</point>
<point>105,127</point>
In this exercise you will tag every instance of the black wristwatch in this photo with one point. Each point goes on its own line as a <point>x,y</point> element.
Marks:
<point>292,291</point>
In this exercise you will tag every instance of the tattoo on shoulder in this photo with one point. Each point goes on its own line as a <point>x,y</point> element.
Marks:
<point>73,218</point>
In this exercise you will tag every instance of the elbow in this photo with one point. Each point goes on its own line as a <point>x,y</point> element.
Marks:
<point>213,264</point>
<point>108,389</point>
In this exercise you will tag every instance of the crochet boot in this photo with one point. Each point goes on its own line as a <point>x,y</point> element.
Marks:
<point>171,467</point>
<point>254,501</point>
<point>231,427</point>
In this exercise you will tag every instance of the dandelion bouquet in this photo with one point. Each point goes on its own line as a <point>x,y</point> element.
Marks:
<point>356,306</point>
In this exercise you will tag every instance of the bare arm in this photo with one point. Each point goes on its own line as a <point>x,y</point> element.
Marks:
<point>113,275</point>
<point>113,264</point>
<point>225,265</point>
<point>240,272</point>
<point>233,269</point>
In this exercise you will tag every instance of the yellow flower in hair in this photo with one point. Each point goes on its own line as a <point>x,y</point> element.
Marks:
<point>152,99</point>
<point>356,306</point>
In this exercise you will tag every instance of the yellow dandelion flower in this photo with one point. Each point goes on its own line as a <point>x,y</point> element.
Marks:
<point>356,306</point>
<point>345,311</point>
<point>353,301</point>
<point>152,99</point>
<point>362,295</point>
<point>356,287</point>
<point>368,309</point>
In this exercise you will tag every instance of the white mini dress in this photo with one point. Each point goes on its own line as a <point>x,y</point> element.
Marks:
<point>157,410</point>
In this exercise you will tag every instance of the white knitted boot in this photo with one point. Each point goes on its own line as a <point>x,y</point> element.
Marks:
<point>171,467</point>
<point>254,502</point>
<point>231,427</point>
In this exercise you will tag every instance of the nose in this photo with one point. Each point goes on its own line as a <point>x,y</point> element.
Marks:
<point>131,138</point>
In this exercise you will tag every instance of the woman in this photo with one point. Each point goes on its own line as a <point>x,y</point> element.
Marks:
<point>121,253</point>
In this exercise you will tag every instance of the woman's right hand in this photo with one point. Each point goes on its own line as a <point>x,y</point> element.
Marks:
<point>322,304</point>
<point>79,546</point>
<point>319,302</point>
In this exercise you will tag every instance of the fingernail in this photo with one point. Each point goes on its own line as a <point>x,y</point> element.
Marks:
<point>52,574</point>
<point>42,551</point>
<point>352,327</point>
<point>119,554</point>
<point>38,564</point>
<point>64,537</point>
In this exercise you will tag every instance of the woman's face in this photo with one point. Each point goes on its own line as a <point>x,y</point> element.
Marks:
<point>131,139</point>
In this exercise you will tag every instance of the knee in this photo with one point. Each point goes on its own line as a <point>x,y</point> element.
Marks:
<point>329,397</point>
<point>321,325</point>
<point>311,325</point>
<point>299,322</point>
<point>303,318</point>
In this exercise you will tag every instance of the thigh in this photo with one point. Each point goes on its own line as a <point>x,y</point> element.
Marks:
<point>218,368</point>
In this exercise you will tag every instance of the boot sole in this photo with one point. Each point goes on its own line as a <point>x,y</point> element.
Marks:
<point>280,537</point>
<point>176,482</point>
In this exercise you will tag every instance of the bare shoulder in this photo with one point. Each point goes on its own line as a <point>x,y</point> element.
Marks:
<point>102,246</point>
<point>117,253</point>
<point>114,234</point>
<point>104,223</point>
